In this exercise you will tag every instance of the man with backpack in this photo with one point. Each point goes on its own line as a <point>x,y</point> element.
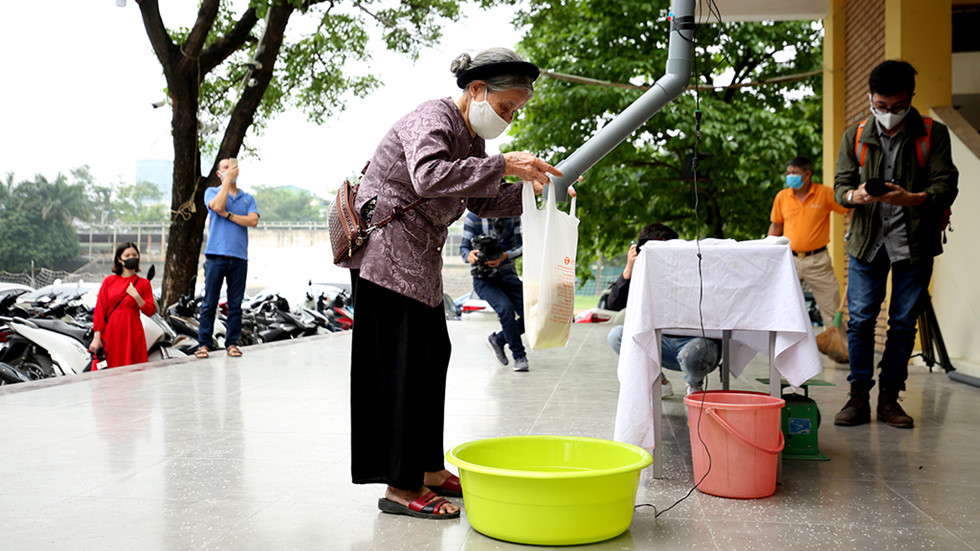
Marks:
<point>896,172</point>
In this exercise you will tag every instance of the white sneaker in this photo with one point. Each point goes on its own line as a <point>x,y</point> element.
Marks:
<point>666,389</point>
<point>692,389</point>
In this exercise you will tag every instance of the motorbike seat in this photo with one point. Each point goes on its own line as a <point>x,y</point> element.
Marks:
<point>65,328</point>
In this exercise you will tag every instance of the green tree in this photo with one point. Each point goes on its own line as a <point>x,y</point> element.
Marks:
<point>37,222</point>
<point>235,66</point>
<point>282,204</point>
<point>131,203</point>
<point>748,132</point>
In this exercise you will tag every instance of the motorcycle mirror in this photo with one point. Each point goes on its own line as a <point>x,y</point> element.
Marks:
<point>151,272</point>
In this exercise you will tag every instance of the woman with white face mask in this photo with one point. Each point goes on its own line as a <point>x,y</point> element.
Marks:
<point>400,344</point>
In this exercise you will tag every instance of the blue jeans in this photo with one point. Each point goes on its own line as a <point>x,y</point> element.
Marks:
<point>865,293</point>
<point>685,354</point>
<point>505,294</point>
<point>233,271</point>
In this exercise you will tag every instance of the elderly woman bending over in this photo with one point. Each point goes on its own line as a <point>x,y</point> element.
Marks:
<point>400,344</point>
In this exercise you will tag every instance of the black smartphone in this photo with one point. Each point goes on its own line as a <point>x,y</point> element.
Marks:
<point>876,187</point>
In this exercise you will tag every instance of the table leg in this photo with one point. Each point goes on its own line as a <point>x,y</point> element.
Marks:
<point>726,374</point>
<point>776,390</point>
<point>658,449</point>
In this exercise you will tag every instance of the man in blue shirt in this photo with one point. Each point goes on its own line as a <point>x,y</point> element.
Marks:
<point>490,245</point>
<point>231,213</point>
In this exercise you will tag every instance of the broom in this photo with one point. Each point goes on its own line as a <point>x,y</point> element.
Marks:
<point>832,340</point>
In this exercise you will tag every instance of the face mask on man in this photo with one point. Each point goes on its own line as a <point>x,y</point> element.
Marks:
<point>484,119</point>
<point>887,119</point>
<point>794,181</point>
<point>131,263</point>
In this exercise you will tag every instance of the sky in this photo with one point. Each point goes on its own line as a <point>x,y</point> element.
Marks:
<point>80,77</point>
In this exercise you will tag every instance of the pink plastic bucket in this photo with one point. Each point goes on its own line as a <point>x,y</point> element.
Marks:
<point>742,432</point>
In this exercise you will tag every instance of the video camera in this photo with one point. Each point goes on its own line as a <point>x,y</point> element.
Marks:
<point>488,247</point>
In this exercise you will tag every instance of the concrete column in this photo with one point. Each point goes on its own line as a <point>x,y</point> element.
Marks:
<point>833,120</point>
<point>922,33</point>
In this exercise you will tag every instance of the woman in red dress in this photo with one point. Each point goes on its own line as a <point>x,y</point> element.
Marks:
<point>116,320</point>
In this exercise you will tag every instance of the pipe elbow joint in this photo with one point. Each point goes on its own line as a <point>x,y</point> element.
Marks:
<point>675,81</point>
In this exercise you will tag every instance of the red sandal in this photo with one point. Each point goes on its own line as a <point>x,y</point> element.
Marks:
<point>426,506</point>
<point>449,488</point>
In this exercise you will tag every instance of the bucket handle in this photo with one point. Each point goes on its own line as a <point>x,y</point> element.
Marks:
<point>742,437</point>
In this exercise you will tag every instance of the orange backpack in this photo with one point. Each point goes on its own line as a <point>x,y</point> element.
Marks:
<point>921,155</point>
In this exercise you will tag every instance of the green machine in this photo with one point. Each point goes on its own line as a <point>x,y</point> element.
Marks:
<point>800,421</point>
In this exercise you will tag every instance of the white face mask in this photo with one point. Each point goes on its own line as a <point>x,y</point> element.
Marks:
<point>888,120</point>
<point>484,119</point>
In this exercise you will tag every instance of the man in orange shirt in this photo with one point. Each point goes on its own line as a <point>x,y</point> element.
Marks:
<point>801,212</point>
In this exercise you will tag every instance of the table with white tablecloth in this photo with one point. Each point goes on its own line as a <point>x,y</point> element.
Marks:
<point>750,293</point>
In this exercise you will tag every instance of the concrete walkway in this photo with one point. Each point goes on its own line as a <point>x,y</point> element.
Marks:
<point>253,453</point>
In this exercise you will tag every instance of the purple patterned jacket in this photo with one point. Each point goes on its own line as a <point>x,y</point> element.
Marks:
<point>428,153</point>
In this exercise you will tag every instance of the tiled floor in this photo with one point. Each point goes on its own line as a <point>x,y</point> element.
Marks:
<point>252,453</point>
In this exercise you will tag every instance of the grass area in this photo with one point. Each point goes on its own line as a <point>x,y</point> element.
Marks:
<point>584,302</point>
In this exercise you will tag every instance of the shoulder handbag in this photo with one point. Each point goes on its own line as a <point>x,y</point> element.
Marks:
<point>348,232</point>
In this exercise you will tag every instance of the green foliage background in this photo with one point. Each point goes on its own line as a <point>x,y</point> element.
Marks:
<point>282,204</point>
<point>750,133</point>
<point>37,216</point>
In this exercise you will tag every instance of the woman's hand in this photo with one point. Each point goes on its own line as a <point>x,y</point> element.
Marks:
<point>96,343</point>
<point>529,168</point>
<point>131,291</point>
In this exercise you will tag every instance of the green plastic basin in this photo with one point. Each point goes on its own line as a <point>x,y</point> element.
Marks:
<point>549,490</point>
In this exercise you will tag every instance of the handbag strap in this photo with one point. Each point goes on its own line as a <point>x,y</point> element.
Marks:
<point>125,294</point>
<point>396,213</point>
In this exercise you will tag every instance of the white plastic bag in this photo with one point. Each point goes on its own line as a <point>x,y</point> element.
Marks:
<point>550,242</point>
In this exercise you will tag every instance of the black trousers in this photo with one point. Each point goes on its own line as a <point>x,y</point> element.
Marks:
<point>399,359</point>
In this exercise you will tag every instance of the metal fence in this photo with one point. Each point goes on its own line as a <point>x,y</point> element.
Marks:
<point>43,276</point>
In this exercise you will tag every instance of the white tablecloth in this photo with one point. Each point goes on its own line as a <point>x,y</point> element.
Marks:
<point>750,288</point>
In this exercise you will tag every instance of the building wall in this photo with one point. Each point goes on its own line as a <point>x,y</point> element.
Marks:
<point>955,293</point>
<point>868,32</point>
<point>864,47</point>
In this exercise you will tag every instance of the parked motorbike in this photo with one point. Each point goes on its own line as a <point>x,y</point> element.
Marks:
<point>183,319</point>
<point>53,341</point>
<point>39,347</point>
<point>274,321</point>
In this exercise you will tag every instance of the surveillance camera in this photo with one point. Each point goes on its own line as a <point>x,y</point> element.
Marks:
<point>121,3</point>
<point>252,83</point>
<point>157,104</point>
<point>255,65</point>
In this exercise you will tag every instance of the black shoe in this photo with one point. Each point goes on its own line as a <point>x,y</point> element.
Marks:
<point>857,410</point>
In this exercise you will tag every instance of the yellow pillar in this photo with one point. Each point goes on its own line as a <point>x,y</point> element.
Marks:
<point>833,119</point>
<point>921,32</point>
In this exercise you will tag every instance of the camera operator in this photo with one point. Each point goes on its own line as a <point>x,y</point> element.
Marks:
<point>490,246</point>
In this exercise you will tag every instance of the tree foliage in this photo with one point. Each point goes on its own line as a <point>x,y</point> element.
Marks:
<point>283,204</point>
<point>236,65</point>
<point>119,202</point>
<point>37,221</point>
<point>748,133</point>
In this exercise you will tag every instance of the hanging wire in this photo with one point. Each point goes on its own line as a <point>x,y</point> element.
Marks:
<point>712,11</point>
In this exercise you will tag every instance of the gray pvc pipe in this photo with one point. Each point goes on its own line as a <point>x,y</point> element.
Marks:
<point>671,85</point>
